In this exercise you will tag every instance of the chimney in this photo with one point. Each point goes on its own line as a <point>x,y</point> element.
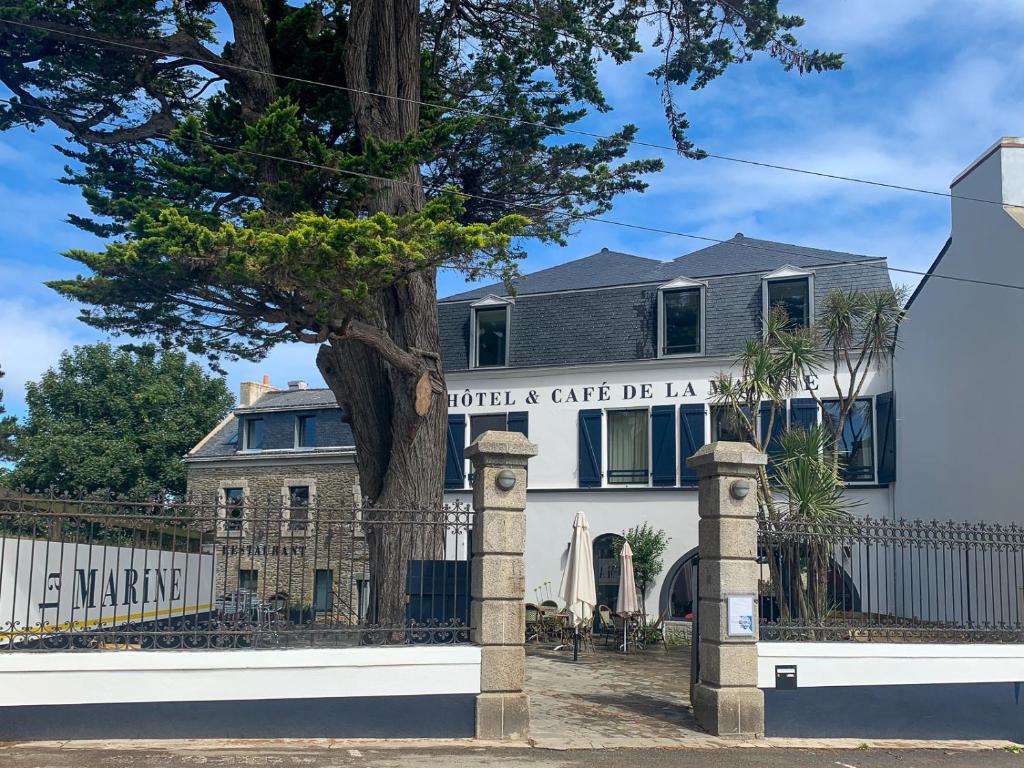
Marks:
<point>297,384</point>
<point>997,175</point>
<point>251,391</point>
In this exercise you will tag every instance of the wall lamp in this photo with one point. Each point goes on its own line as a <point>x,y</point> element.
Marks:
<point>505,480</point>
<point>739,489</point>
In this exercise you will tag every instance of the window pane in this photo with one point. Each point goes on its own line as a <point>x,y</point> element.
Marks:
<point>682,321</point>
<point>233,499</point>
<point>791,295</point>
<point>298,507</point>
<point>491,336</point>
<point>306,437</point>
<point>856,444</point>
<point>627,447</point>
<point>253,434</point>
<point>727,425</point>
<point>322,589</point>
<point>480,424</point>
<point>248,580</point>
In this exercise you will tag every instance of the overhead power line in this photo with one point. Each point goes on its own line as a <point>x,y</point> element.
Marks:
<point>516,120</point>
<point>822,260</point>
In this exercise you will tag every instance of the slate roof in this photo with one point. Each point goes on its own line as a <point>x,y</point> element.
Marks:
<point>611,268</point>
<point>603,308</point>
<point>280,409</point>
<point>296,398</point>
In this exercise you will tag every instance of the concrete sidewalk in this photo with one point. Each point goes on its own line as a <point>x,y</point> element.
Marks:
<point>352,754</point>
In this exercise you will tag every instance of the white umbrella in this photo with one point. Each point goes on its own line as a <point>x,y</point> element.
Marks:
<point>627,605</point>
<point>578,590</point>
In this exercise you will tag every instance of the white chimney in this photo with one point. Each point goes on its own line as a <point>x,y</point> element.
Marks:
<point>297,384</point>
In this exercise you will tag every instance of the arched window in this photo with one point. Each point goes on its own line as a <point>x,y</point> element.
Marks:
<point>679,594</point>
<point>606,569</point>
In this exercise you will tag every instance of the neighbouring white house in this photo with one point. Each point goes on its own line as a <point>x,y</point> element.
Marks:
<point>959,365</point>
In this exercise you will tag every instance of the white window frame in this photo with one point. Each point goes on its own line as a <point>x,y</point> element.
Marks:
<point>295,435</point>
<point>245,431</point>
<point>681,283</point>
<point>787,272</point>
<point>489,302</point>
<point>222,508</point>
<point>607,432</point>
<point>286,508</point>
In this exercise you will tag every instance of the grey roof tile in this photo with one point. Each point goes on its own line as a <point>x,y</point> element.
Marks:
<point>611,268</point>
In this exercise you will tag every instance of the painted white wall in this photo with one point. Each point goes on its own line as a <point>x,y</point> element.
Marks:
<point>841,664</point>
<point>959,366</point>
<point>28,679</point>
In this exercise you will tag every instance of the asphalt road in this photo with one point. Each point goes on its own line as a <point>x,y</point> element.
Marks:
<point>471,757</point>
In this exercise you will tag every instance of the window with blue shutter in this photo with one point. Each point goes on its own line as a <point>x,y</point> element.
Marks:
<point>663,445</point>
<point>455,459</point>
<point>778,426</point>
<point>691,440</point>
<point>590,448</point>
<point>519,421</point>
<point>803,412</point>
<point>885,417</point>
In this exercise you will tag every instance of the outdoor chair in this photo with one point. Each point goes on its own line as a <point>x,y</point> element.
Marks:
<point>534,621</point>
<point>659,627</point>
<point>604,616</point>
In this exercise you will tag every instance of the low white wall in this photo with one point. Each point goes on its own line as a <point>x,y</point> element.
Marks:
<point>149,676</point>
<point>845,664</point>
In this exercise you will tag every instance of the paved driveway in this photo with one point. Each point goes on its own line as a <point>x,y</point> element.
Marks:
<point>609,699</point>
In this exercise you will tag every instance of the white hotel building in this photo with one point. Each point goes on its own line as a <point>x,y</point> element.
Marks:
<point>605,362</point>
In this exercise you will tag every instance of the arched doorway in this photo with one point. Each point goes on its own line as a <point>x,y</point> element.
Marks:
<point>606,569</point>
<point>679,593</point>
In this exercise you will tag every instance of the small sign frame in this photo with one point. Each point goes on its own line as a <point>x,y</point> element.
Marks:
<point>740,616</point>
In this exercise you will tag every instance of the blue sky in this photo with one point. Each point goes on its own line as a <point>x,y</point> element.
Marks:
<point>927,86</point>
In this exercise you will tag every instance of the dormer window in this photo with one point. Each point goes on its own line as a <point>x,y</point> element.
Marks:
<point>489,332</point>
<point>791,290</point>
<point>252,437</point>
<point>681,318</point>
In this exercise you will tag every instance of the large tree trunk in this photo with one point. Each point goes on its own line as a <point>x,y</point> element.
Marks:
<point>397,412</point>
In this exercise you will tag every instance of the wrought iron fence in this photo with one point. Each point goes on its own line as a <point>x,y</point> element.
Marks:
<point>110,573</point>
<point>861,579</point>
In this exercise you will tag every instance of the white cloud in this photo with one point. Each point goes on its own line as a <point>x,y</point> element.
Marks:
<point>36,334</point>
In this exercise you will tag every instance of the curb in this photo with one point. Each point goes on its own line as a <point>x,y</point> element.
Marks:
<point>699,743</point>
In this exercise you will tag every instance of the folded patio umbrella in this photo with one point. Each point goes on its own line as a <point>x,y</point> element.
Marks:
<point>578,590</point>
<point>627,603</point>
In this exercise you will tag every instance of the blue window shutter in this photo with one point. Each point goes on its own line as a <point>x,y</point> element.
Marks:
<point>885,418</point>
<point>691,440</point>
<point>455,459</point>
<point>519,421</point>
<point>778,427</point>
<point>803,412</point>
<point>590,448</point>
<point>663,445</point>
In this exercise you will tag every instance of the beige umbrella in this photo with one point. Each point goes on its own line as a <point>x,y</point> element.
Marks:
<point>578,591</point>
<point>626,605</point>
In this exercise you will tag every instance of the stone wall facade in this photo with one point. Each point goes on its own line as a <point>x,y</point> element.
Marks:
<point>271,551</point>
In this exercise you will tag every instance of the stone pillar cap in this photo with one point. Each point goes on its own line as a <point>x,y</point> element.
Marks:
<point>495,443</point>
<point>727,458</point>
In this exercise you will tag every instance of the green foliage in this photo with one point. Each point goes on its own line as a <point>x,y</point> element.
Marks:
<point>215,180</point>
<point>117,419</point>
<point>809,481</point>
<point>648,545</point>
<point>8,430</point>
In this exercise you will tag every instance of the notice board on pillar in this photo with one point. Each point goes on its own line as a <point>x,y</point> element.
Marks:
<point>740,615</point>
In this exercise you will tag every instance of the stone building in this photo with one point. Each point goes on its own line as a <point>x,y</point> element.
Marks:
<point>280,475</point>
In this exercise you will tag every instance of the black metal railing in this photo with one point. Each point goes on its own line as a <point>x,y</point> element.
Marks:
<point>110,573</point>
<point>861,579</point>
